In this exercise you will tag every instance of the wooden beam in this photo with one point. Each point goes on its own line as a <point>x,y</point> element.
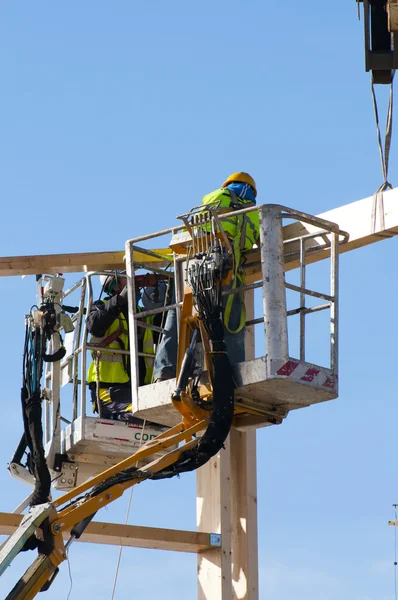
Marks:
<point>128,535</point>
<point>365,223</point>
<point>72,263</point>
<point>61,263</point>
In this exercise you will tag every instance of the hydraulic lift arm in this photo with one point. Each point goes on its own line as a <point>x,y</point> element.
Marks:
<point>44,525</point>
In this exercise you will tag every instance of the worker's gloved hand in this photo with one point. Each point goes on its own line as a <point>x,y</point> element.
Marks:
<point>122,297</point>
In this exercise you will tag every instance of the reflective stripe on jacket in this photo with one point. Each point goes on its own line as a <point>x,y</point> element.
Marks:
<point>149,348</point>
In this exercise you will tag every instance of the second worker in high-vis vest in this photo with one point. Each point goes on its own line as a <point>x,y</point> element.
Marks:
<point>109,373</point>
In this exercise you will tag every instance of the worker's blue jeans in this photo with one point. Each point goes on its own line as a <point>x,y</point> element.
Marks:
<point>166,356</point>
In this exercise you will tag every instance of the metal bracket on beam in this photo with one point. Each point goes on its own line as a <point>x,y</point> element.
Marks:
<point>215,540</point>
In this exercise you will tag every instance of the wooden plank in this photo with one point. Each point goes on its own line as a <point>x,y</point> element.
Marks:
<point>213,514</point>
<point>127,535</point>
<point>364,225</point>
<point>364,222</point>
<point>61,263</point>
<point>71,263</point>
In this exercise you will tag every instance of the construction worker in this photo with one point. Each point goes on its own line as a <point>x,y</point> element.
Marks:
<point>109,373</point>
<point>237,192</point>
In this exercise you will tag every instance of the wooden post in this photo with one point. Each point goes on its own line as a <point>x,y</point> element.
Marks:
<point>213,506</point>
<point>244,515</point>
<point>227,504</point>
<point>244,494</point>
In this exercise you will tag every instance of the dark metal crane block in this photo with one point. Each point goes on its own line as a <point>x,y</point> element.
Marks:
<point>381,39</point>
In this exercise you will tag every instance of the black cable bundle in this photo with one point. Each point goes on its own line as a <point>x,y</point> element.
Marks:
<point>32,414</point>
<point>34,438</point>
<point>122,477</point>
<point>219,426</point>
<point>205,280</point>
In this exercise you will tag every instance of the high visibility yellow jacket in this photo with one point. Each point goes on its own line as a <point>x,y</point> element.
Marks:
<point>245,227</point>
<point>112,368</point>
<point>243,231</point>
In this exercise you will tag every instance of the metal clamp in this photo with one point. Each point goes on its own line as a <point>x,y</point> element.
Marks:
<point>215,540</point>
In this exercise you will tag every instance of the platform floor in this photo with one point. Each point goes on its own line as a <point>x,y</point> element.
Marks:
<point>260,387</point>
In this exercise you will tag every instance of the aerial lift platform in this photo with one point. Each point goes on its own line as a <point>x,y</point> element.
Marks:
<point>266,386</point>
<point>89,453</point>
<point>80,446</point>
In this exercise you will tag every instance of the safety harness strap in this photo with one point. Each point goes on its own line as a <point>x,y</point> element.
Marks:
<point>238,277</point>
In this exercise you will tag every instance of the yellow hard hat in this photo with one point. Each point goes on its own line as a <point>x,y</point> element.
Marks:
<point>241,177</point>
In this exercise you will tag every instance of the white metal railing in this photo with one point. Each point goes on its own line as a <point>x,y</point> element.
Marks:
<point>272,249</point>
<point>74,364</point>
<point>336,237</point>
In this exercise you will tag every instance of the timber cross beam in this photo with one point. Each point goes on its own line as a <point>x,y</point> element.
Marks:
<point>366,221</point>
<point>133,536</point>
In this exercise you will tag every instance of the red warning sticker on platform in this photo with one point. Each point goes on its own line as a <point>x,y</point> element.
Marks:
<point>288,368</point>
<point>310,374</point>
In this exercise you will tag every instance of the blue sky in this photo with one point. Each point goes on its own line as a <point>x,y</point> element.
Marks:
<point>117,117</point>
